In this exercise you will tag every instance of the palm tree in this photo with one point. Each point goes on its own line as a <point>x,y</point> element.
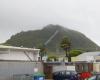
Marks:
<point>65,45</point>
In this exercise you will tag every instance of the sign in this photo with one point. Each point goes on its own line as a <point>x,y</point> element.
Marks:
<point>71,68</point>
<point>35,69</point>
<point>63,68</point>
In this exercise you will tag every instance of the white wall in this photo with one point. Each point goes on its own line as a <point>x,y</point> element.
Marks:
<point>10,68</point>
<point>96,67</point>
<point>19,55</point>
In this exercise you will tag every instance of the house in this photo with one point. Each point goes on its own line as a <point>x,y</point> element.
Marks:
<point>18,53</point>
<point>18,63</point>
<point>89,56</point>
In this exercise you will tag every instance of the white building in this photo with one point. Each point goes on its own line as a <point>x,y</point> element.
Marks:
<point>89,56</point>
<point>18,53</point>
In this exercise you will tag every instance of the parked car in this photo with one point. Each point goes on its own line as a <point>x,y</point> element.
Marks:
<point>65,75</point>
<point>95,77</point>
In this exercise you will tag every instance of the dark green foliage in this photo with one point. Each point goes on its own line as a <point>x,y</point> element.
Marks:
<point>52,57</point>
<point>37,37</point>
<point>75,52</point>
<point>65,43</point>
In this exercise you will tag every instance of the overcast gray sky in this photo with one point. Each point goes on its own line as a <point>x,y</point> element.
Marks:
<point>81,15</point>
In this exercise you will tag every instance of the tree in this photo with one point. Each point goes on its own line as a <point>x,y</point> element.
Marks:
<point>66,45</point>
<point>75,52</point>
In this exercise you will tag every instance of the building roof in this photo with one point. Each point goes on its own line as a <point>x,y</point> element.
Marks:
<point>17,48</point>
<point>89,54</point>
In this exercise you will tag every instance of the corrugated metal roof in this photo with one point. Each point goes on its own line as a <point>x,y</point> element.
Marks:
<point>17,48</point>
<point>89,54</point>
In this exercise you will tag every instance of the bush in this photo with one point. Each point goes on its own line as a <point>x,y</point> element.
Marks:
<point>75,52</point>
<point>52,57</point>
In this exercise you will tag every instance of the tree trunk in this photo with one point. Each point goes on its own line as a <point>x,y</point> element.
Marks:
<point>68,56</point>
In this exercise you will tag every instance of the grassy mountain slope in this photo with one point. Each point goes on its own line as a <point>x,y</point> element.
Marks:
<point>37,37</point>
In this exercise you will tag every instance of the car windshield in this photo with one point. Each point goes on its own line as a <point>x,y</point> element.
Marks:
<point>67,73</point>
<point>70,72</point>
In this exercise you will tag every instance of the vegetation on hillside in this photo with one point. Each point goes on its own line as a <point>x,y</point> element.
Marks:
<point>34,38</point>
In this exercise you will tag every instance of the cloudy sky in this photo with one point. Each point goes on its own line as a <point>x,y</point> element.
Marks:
<point>23,15</point>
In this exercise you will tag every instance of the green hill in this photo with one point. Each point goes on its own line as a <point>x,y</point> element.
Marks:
<point>34,38</point>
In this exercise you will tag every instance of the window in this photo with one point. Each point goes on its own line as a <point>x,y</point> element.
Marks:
<point>85,67</point>
<point>98,77</point>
